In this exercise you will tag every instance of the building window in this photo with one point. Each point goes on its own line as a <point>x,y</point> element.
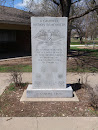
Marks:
<point>7,36</point>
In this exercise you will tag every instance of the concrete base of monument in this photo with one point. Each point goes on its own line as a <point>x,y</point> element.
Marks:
<point>25,99</point>
<point>49,93</point>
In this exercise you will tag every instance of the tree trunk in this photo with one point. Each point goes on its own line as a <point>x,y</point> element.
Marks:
<point>91,37</point>
<point>68,41</point>
<point>65,7</point>
<point>81,40</point>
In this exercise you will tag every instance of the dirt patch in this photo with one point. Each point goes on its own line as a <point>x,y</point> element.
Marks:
<point>11,106</point>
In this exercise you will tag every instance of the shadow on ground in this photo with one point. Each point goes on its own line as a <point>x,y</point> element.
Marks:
<point>76,86</point>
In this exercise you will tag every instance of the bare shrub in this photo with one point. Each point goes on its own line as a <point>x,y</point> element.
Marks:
<point>93,97</point>
<point>16,76</point>
<point>83,64</point>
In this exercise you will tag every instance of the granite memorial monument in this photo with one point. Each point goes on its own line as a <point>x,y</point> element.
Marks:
<point>49,58</point>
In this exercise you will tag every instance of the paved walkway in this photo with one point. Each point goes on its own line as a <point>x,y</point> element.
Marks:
<point>49,123</point>
<point>92,79</point>
<point>4,81</point>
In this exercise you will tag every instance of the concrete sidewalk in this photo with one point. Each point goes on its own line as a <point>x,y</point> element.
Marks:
<point>49,123</point>
<point>4,81</point>
<point>92,79</point>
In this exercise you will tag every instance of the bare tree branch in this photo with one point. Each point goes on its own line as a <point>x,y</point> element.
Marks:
<point>86,12</point>
<point>55,2</point>
<point>94,2</point>
<point>74,2</point>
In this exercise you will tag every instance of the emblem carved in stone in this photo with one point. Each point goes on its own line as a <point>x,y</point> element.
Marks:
<point>49,37</point>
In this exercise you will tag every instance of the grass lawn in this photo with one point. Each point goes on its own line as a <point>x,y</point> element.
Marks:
<point>20,67</point>
<point>77,42</point>
<point>72,48</point>
<point>83,60</point>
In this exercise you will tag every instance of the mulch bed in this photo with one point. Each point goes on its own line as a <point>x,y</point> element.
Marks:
<point>10,106</point>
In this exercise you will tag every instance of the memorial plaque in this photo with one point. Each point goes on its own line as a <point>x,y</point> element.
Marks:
<point>49,56</point>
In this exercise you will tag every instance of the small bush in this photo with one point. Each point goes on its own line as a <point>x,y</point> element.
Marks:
<point>16,76</point>
<point>94,101</point>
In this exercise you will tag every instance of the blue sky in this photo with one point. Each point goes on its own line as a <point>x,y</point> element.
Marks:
<point>17,3</point>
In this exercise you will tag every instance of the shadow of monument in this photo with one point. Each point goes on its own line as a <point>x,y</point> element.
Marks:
<point>75,86</point>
